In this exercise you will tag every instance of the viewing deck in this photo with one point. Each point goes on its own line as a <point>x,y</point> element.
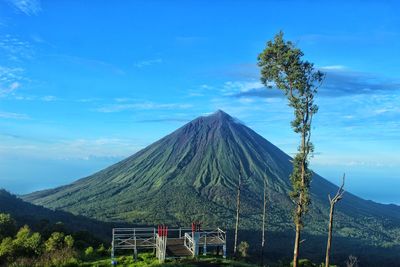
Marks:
<point>168,243</point>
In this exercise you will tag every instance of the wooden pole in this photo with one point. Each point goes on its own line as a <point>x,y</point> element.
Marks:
<point>237,214</point>
<point>263,221</point>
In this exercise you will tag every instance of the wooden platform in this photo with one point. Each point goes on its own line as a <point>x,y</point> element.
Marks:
<point>177,243</point>
<point>211,241</point>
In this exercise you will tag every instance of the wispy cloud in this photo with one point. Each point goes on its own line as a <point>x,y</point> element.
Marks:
<point>241,86</point>
<point>333,67</point>
<point>48,98</point>
<point>13,52</point>
<point>99,147</point>
<point>339,81</point>
<point>353,161</point>
<point>11,115</point>
<point>68,149</point>
<point>9,80</point>
<point>169,119</point>
<point>141,106</point>
<point>148,62</point>
<point>88,100</point>
<point>248,89</point>
<point>28,7</point>
<point>15,49</point>
<point>10,89</point>
<point>370,37</point>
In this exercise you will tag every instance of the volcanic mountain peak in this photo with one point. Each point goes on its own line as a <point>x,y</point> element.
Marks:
<point>192,174</point>
<point>214,119</point>
<point>221,115</point>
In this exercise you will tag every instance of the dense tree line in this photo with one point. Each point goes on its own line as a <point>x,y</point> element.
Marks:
<point>52,245</point>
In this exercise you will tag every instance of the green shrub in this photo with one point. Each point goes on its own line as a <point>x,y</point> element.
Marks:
<point>64,257</point>
<point>101,250</point>
<point>6,249</point>
<point>55,241</point>
<point>89,252</point>
<point>305,263</point>
<point>69,241</point>
<point>243,249</point>
<point>27,243</point>
<point>8,226</point>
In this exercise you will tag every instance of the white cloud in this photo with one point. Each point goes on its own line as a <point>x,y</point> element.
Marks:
<point>10,75</point>
<point>235,87</point>
<point>15,49</point>
<point>333,67</point>
<point>123,99</point>
<point>11,115</point>
<point>99,147</point>
<point>28,7</point>
<point>70,149</point>
<point>15,85</point>
<point>387,109</point>
<point>206,87</point>
<point>352,161</point>
<point>148,62</point>
<point>48,98</point>
<point>10,89</point>
<point>246,100</point>
<point>9,80</point>
<point>142,106</point>
<point>88,100</point>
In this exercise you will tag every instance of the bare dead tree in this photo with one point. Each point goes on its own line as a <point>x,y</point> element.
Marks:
<point>237,213</point>
<point>332,202</point>
<point>263,221</point>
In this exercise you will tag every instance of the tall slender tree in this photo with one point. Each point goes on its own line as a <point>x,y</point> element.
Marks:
<point>263,220</point>
<point>282,67</point>
<point>237,214</point>
<point>332,201</point>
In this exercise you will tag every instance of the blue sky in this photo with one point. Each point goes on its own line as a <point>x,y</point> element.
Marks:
<point>84,84</point>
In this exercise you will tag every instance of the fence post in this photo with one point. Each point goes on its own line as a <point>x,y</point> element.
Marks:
<point>113,262</point>
<point>135,248</point>
<point>205,245</point>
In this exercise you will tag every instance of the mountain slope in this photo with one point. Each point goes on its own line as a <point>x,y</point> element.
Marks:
<point>34,216</point>
<point>192,174</point>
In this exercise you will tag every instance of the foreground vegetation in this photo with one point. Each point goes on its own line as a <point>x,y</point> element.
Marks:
<point>51,245</point>
<point>148,259</point>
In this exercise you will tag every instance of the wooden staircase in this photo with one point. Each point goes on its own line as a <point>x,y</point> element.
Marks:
<point>177,249</point>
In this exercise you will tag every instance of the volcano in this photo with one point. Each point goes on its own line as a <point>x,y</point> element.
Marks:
<point>192,174</point>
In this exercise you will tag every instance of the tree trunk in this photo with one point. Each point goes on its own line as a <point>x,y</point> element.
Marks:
<point>328,245</point>
<point>299,212</point>
<point>297,238</point>
<point>263,223</point>
<point>332,202</point>
<point>237,216</point>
